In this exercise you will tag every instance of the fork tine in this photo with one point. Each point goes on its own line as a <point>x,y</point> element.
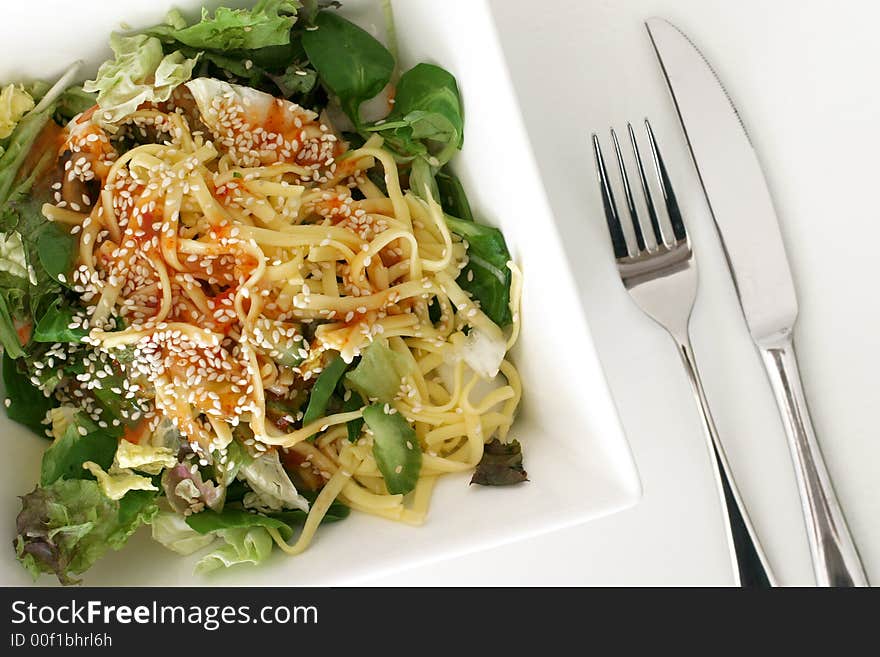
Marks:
<point>630,201</point>
<point>649,198</point>
<point>675,219</point>
<point>618,240</point>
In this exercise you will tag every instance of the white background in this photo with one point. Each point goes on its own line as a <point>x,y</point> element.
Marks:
<point>805,76</point>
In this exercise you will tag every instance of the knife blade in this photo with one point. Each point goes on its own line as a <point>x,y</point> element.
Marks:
<point>733,182</point>
<point>741,205</point>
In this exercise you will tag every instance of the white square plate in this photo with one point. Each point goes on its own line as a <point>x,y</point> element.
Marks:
<point>578,461</point>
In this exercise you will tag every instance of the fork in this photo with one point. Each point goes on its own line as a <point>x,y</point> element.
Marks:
<point>662,279</point>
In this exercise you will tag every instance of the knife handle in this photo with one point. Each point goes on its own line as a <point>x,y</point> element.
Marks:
<point>752,569</point>
<point>835,558</point>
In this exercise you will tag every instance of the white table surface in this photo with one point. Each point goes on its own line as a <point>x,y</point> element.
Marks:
<point>804,73</point>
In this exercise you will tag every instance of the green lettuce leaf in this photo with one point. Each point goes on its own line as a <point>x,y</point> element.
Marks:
<point>116,483</point>
<point>267,24</point>
<point>139,72</point>
<point>67,526</point>
<point>170,530</point>
<point>15,102</point>
<point>243,545</point>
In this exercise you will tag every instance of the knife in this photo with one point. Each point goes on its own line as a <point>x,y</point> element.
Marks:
<point>742,208</point>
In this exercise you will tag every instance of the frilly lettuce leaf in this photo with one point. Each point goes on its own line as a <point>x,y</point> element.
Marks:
<point>271,488</point>
<point>144,458</point>
<point>15,102</point>
<point>243,545</point>
<point>13,258</point>
<point>140,72</point>
<point>267,24</point>
<point>170,529</point>
<point>67,526</point>
<point>116,482</point>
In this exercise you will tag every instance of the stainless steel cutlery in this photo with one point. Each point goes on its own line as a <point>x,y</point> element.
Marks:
<point>660,274</point>
<point>740,202</point>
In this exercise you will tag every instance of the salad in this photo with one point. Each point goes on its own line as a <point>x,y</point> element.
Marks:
<point>242,292</point>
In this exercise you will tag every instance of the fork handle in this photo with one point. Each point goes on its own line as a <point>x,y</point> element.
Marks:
<point>835,558</point>
<point>751,565</point>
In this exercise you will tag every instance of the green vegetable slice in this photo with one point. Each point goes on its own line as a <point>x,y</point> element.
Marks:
<point>395,448</point>
<point>379,373</point>
<point>323,389</point>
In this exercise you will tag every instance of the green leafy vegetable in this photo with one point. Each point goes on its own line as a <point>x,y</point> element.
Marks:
<point>243,545</point>
<point>395,448</point>
<point>428,118</point>
<point>140,72</point>
<point>170,529</point>
<point>324,386</point>
<point>486,276</point>
<point>379,373</point>
<point>67,526</point>
<point>54,325</point>
<point>270,484</point>
<point>337,511</point>
<point>26,404</point>
<point>350,62</point>
<point>501,465</point>
<point>65,457</point>
<point>211,521</point>
<point>452,197</point>
<point>72,102</point>
<point>267,24</point>
<point>252,47</point>
<point>8,335</point>
<point>15,102</point>
<point>56,249</point>
<point>353,403</point>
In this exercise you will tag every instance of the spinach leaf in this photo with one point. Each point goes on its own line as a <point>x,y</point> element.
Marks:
<point>210,521</point>
<point>451,195</point>
<point>501,465</point>
<point>396,449</point>
<point>350,62</point>
<point>323,388</point>
<point>27,405</point>
<point>64,458</point>
<point>54,325</point>
<point>486,276</point>
<point>337,511</point>
<point>353,403</point>
<point>428,118</point>
<point>56,249</point>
